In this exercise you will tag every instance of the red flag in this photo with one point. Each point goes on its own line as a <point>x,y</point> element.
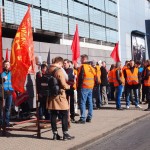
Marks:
<point>115,53</point>
<point>1,53</point>
<point>75,46</point>
<point>6,57</point>
<point>21,53</point>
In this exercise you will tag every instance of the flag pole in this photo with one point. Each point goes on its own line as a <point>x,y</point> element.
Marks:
<point>4,114</point>
<point>37,110</point>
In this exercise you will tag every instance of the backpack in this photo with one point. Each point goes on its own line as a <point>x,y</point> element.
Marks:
<point>44,86</point>
<point>53,83</point>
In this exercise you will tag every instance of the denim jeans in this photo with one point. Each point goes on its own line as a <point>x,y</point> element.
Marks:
<point>128,92</point>
<point>8,103</point>
<point>42,108</point>
<point>86,96</point>
<point>98,98</point>
<point>119,90</point>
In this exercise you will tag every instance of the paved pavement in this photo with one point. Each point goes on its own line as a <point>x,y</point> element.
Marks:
<point>135,136</point>
<point>104,122</point>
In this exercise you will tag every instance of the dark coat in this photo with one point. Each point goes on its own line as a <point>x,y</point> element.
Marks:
<point>104,77</point>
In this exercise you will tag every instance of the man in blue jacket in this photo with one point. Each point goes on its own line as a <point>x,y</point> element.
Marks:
<point>6,76</point>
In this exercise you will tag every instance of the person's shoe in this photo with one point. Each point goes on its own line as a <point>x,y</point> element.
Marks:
<point>76,114</point>
<point>42,117</point>
<point>120,108</point>
<point>56,136</point>
<point>88,120</point>
<point>95,108</point>
<point>138,106</point>
<point>99,107</point>
<point>73,120</point>
<point>80,121</point>
<point>9,125</point>
<point>66,137</point>
<point>148,109</point>
<point>127,107</point>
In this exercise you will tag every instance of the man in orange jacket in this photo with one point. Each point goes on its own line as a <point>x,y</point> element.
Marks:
<point>85,87</point>
<point>118,80</point>
<point>132,82</point>
<point>146,83</point>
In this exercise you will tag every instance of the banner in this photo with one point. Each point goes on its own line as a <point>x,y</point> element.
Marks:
<point>75,46</point>
<point>22,54</point>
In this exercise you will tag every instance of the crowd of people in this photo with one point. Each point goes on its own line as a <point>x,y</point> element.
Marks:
<point>64,87</point>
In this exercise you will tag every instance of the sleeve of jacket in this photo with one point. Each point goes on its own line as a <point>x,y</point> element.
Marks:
<point>61,77</point>
<point>118,77</point>
<point>147,74</point>
<point>80,77</point>
<point>38,82</point>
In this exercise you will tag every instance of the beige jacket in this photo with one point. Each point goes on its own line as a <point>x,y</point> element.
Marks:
<point>58,102</point>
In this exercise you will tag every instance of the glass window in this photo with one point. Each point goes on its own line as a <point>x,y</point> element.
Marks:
<point>112,36</point>
<point>111,21</point>
<point>97,3</point>
<point>34,2</point>
<point>45,20</point>
<point>84,1</point>
<point>78,10</point>
<point>111,7</point>
<point>55,5</point>
<point>82,26</point>
<point>97,16</point>
<point>45,4</point>
<point>35,13</point>
<point>97,32</point>
<point>58,23</point>
<point>9,12</point>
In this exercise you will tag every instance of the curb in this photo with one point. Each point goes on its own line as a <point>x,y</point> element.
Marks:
<point>88,142</point>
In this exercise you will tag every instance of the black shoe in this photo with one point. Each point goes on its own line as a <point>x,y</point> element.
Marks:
<point>148,109</point>
<point>9,125</point>
<point>66,137</point>
<point>76,114</point>
<point>95,108</point>
<point>120,108</point>
<point>73,120</point>
<point>88,120</point>
<point>56,136</point>
<point>80,121</point>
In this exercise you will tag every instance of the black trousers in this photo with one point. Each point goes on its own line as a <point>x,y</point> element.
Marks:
<point>42,108</point>
<point>147,88</point>
<point>64,118</point>
<point>70,93</point>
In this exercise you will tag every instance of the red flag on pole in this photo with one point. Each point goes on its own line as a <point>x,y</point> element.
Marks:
<point>6,57</point>
<point>115,53</point>
<point>75,46</point>
<point>21,53</point>
<point>1,52</point>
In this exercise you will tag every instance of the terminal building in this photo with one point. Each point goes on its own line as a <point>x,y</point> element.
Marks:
<point>101,23</point>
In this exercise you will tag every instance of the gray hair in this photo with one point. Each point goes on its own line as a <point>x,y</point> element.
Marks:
<point>118,64</point>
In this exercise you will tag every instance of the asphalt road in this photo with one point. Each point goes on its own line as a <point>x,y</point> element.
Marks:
<point>133,137</point>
